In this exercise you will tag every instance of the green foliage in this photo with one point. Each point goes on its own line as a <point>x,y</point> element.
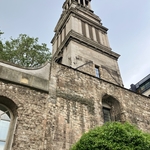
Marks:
<point>114,136</point>
<point>1,44</point>
<point>1,33</point>
<point>25,51</point>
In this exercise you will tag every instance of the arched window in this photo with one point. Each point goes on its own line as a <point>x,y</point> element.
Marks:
<point>8,117</point>
<point>111,109</point>
<point>107,113</point>
<point>4,125</point>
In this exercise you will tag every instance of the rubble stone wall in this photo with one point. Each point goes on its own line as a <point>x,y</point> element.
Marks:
<point>75,106</point>
<point>30,114</point>
<point>56,120</point>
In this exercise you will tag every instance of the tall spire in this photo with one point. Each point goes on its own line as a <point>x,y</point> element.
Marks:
<point>83,3</point>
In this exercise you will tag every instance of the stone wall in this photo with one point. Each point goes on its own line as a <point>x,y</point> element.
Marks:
<point>33,77</point>
<point>76,55</point>
<point>75,106</point>
<point>56,120</point>
<point>29,113</point>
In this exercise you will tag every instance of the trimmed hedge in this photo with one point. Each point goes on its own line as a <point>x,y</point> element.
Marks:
<point>114,136</point>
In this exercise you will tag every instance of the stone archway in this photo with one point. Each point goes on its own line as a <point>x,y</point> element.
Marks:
<point>8,103</point>
<point>111,109</point>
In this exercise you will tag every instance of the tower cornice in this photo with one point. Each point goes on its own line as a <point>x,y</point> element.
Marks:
<point>74,36</point>
<point>78,13</point>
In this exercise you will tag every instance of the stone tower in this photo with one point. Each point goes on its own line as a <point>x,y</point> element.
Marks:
<point>49,108</point>
<point>81,42</point>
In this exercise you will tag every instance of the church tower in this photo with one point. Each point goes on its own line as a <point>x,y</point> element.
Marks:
<point>81,42</point>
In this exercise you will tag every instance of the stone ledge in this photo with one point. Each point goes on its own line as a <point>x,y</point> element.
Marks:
<point>23,78</point>
<point>41,71</point>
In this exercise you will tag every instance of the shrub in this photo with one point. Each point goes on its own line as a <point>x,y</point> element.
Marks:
<point>114,136</point>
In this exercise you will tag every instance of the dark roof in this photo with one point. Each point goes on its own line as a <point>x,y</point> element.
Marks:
<point>142,81</point>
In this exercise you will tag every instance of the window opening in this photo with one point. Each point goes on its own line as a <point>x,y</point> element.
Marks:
<point>97,73</point>
<point>81,1</point>
<point>59,60</point>
<point>4,125</point>
<point>107,114</point>
<point>86,2</point>
<point>110,109</point>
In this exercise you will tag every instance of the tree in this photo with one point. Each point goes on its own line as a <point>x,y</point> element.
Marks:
<point>1,44</point>
<point>114,136</point>
<point>25,51</point>
<point>1,33</point>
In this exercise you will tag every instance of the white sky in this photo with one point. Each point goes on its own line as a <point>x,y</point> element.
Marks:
<point>128,22</point>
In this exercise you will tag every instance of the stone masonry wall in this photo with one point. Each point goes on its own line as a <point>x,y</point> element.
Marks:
<point>75,106</point>
<point>30,113</point>
<point>56,120</point>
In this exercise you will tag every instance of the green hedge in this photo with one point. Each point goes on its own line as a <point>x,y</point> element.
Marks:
<point>114,136</point>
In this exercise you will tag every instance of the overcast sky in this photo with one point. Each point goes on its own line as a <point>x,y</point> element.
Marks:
<point>128,22</point>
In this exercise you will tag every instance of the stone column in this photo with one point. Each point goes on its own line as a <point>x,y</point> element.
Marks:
<point>69,2</point>
<point>79,1</point>
<point>107,41</point>
<point>83,2</point>
<point>89,4</point>
<point>66,6</point>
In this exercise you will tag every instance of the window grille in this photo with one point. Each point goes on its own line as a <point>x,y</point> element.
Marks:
<point>107,114</point>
